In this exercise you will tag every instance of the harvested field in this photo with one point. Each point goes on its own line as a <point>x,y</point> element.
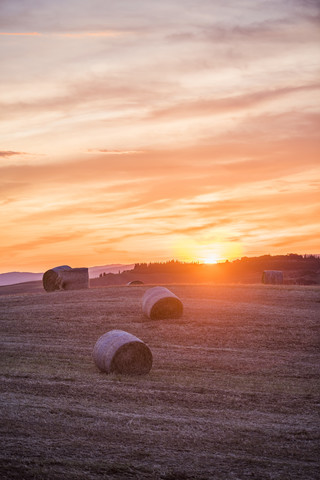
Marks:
<point>232,395</point>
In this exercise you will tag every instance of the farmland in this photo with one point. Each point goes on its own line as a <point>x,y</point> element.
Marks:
<point>232,395</point>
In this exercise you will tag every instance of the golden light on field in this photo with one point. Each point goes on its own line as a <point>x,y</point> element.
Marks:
<point>195,139</point>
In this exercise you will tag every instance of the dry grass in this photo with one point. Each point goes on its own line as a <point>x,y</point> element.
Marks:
<point>232,393</point>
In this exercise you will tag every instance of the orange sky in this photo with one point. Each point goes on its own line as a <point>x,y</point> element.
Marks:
<point>147,130</point>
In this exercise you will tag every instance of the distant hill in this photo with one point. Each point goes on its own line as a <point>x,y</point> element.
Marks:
<point>12,278</point>
<point>114,268</point>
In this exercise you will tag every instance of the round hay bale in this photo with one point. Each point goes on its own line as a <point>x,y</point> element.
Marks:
<point>160,302</point>
<point>52,278</point>
<point>74,278</point>
<point>274,277</point>
<point>120,352</point>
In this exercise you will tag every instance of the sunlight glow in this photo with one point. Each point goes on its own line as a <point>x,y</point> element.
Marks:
<point>219,252</point>
<point>211,259</point>
<point>200,250</point>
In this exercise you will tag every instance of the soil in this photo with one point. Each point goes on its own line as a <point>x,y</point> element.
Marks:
<point>232,394</point>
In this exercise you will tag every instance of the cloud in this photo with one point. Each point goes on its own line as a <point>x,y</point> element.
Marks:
<point>115,152</point>
<point>95,92</point>
<point>221,161</point>
<point>42,241</point>
<point>209,106</point>
<point>9,153</point>
<point>230,39</point>
<point>297,241</point>
<point>73,16</point>
<point>21,34</point>
<point>94,34</point>
<point>167,193</point>
<point>83,34</point>
<point>272,30</point>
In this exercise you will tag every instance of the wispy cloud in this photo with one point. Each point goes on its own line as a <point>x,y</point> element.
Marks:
<point>106,33</point>
<point>215,106</point>
<point>87,92</point>
<point>21,34</point>
<point>114,152</point>
<point>42,240</point>
<point>296,241</point>
<point>83,34</point>
<point>10,153</point>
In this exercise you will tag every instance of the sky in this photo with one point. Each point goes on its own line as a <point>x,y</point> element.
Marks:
<point>147,130</point>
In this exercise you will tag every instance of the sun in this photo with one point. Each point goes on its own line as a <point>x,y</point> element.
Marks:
<point>210,253</point>
<point>211,259</point>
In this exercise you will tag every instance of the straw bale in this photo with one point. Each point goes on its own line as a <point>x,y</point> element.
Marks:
<point>121,352</point>
<point>160,302</point>
<point>52,278</point>
<point>75,279</point>
<point>274,277</point>
<point>65,278</point>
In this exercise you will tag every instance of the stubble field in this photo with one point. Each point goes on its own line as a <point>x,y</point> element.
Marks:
<point>233,392</point>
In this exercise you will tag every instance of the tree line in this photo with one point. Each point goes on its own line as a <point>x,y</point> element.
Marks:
<point>272,262</point>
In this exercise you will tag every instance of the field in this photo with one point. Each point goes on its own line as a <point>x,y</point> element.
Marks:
<point>233,392</point>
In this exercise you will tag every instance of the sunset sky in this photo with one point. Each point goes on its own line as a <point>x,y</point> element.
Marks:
<point>146,130</point>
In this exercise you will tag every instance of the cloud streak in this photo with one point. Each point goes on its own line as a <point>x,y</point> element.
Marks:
<point>233,103</point>
<point>21,34</point>
<point>9,153</point>
<point>83,34</point>
<point>115,152</point>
